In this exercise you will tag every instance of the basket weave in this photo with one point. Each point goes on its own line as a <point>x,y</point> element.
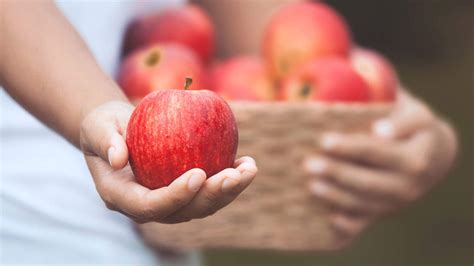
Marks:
<point>276,212</point>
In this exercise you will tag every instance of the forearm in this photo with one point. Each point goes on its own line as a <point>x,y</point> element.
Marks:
<point>46,67</point>
<point>239,24</point>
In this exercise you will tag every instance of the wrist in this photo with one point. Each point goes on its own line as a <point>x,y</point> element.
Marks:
<point>109,92</point>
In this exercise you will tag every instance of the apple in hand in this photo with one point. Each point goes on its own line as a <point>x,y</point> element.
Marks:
<point>378,73</point>
<point>188,25</point>
<point>242,78</point>
<point>173,131</point>
<point>158,67</point>
<point>330,79</point>
<point>301,32</point>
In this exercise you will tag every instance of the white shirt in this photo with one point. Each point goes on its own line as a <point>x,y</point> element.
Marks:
<point>50,210</point>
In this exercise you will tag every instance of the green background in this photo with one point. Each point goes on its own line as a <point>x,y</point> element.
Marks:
<point>430,42</point>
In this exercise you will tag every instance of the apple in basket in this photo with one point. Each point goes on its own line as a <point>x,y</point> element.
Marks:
<point>330,79</point>
<point>301,32</point>
<point>242,78</point>
<point>158,67</point>
<point>188,25</point>
<point>377,71</point>
<point>173,131</point>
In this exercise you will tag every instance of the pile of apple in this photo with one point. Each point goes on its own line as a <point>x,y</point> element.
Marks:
<point>307,55</point>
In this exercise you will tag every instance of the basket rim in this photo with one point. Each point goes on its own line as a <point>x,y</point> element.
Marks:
<point>353,106</point>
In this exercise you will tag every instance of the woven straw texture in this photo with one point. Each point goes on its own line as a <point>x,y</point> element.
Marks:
<point>276,212</point>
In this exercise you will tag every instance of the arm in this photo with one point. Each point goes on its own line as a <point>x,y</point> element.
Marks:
<point>47,68</point>
<point>239,24</point>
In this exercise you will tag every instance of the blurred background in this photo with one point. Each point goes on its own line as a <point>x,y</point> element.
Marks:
<point>431,43</point>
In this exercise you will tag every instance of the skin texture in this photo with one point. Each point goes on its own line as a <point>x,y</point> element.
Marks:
<point>87,108</point>
<point>330,79</point>
<point>173,131</point>
<point>242,78</point>
<point>188,25</point>
<point>159,67</point>
<point>365,177</point>
<point>378,73</point>
<point>301,32</point>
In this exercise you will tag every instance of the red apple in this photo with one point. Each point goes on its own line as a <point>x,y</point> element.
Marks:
<point>301,32</point>
<point>188,25</point>
<point>377,72</point>
<point>158,67</point>
<point>330,79</point>
<point>242,78</point>
<point>173,131</point>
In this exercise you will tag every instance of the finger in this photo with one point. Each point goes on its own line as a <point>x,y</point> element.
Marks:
<point>332,195</point>
<point>219,190</point>
<point>119,189</point>
<point>216,193</point>
<point>349,225</point>
<point>366,149</point>
<point>409,116</point>
<point>363,180</point>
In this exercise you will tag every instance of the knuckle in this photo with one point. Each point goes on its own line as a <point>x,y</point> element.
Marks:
<point>211,196</point>
<point>178,200</point>
<point>147,212</point>
<point>419,166</point>
<point>346,229</point>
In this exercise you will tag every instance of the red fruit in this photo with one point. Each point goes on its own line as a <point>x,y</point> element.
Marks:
<point>242,78</point>
<point>173,131</point>
<point>188,25</point>
<point>161,66</point>
<point>329,79</point>
<point>301,32</point>
<point>378,73</point>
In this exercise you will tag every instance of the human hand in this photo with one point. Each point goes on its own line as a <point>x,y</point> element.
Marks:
<point>366,176</point>
<point>188,197</point>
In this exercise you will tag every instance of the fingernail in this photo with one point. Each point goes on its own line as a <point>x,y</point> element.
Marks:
<point>383,128</point>
<point>330,141</point>
<point>316,166</point>
<point>110,153</point>
<point>319,188</point>
<point>194,182</point>
<point>229,184</point>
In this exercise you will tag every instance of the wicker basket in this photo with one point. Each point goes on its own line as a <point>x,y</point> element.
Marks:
<point>276,212</point>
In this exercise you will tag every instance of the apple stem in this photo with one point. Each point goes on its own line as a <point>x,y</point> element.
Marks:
<point>305,90</point>
<point>188,82</point>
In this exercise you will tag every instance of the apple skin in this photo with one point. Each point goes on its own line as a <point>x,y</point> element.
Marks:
<point>243,78</point>
<point>188,25</point>
<point>330,79</point>
<point>173,131</point>
<point>378,73</point>
<point>159,67</point>
<point>301,32</point>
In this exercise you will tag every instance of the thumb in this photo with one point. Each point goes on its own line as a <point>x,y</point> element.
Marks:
<point>117,152</point>
<point>101,135</point>
<point>409,116</point>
